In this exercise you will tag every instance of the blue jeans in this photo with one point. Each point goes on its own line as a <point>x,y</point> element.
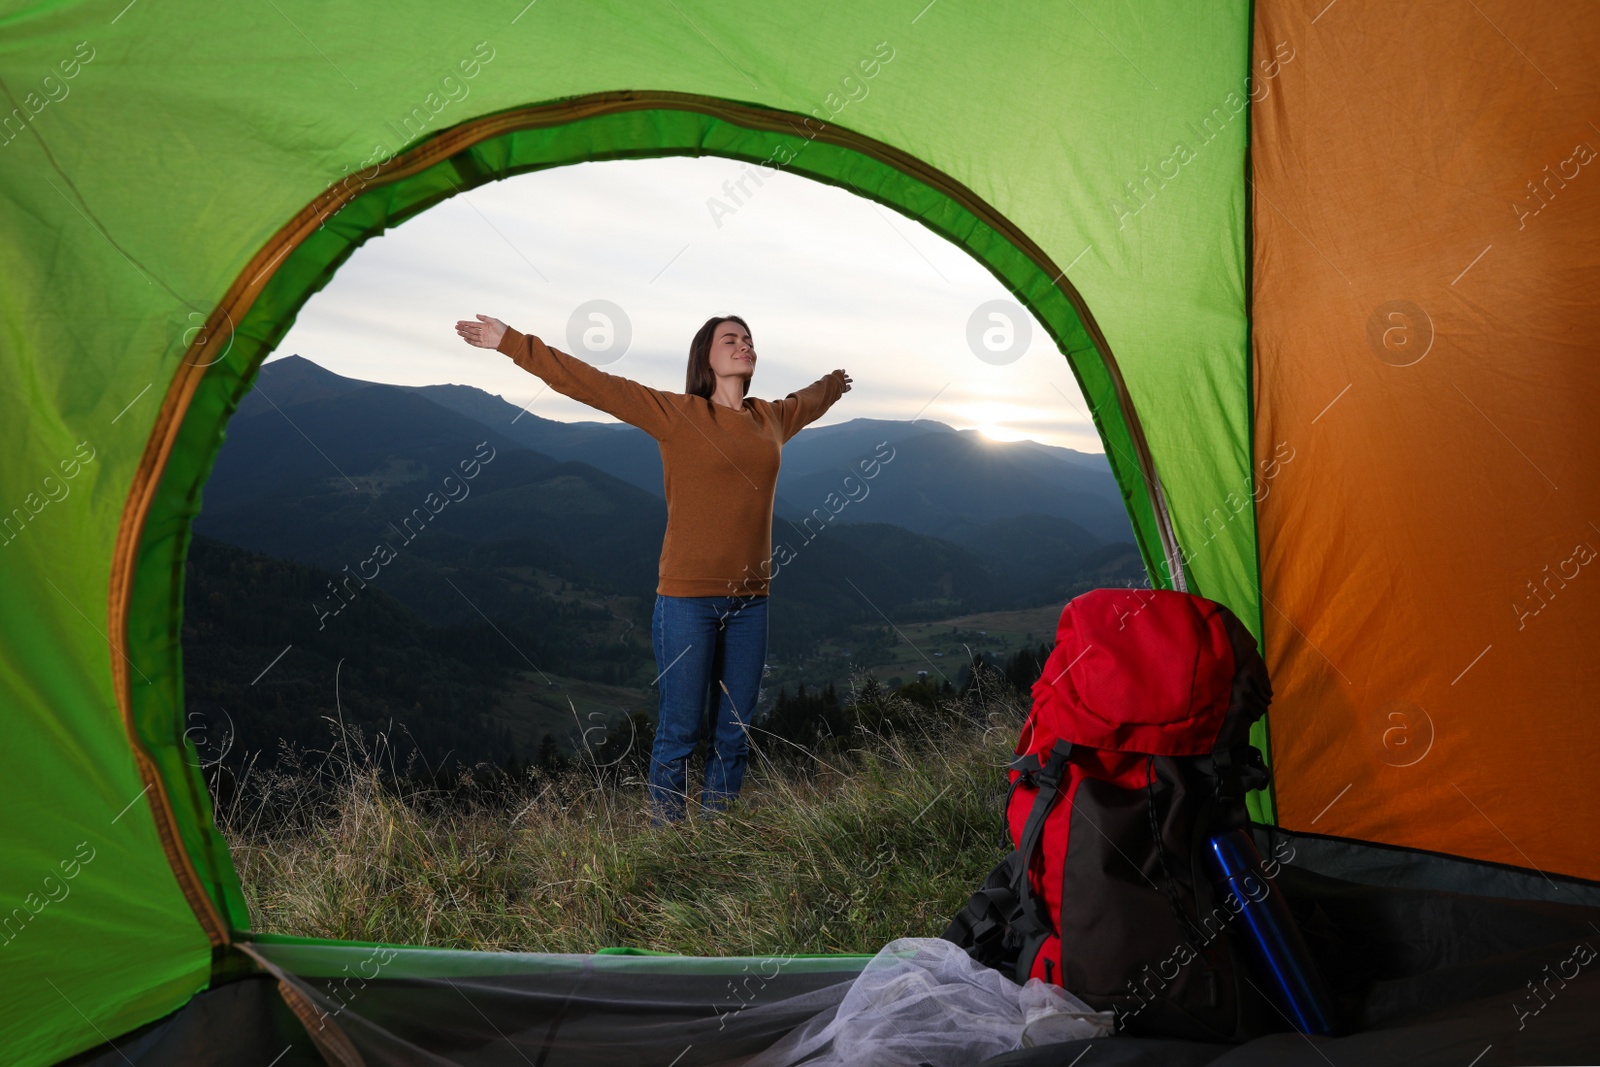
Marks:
<point>701,641</point>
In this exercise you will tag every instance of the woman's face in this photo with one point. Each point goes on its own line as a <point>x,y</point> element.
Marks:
<point>732,352</point>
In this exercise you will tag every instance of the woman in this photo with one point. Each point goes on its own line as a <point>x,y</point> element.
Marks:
<point>720,451</point>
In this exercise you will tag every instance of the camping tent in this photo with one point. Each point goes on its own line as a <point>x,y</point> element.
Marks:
<point>1323,272</point>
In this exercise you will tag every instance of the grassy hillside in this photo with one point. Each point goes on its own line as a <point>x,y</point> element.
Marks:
<point>878,834</point>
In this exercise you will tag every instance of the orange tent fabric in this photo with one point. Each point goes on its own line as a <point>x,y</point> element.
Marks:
<point>1426,186</point>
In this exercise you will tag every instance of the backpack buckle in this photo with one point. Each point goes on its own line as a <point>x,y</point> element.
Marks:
<point>1037,772</point>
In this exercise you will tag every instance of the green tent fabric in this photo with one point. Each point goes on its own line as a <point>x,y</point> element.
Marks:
<point>184,146</point>
<point>175,184</point>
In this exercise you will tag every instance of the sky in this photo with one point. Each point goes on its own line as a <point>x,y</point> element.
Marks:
<point>824,277</point>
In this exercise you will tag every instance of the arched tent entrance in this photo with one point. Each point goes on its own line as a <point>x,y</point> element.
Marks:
<point>224,356</point>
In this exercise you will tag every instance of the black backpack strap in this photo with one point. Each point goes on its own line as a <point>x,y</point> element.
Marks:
<point>1028,763</point>
<point>1031,925</point>
<point>1003,917</point>
<point>1027,766</point>
<point>983,927</point>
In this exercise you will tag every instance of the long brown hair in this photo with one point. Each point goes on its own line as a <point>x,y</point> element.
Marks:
<point>700,381</point>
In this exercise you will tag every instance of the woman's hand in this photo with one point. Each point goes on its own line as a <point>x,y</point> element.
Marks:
<point>486,332</point>
<point>840,372</point>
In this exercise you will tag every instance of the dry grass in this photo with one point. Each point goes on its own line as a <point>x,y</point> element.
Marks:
<point>881,835</point>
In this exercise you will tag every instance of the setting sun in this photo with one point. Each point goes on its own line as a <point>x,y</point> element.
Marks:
<point>1001,421</point>
<point>1001,433</point>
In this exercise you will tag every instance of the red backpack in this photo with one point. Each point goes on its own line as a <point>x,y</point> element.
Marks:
<point>1135,753</point>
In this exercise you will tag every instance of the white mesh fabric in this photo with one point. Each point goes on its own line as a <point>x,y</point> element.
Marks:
<point>925,1001</point>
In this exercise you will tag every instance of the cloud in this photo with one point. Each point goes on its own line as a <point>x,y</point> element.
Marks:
<point>826,279</point>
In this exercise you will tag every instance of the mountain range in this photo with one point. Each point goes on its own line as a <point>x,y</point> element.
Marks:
<point>542,537</point>
<point>941,472</point>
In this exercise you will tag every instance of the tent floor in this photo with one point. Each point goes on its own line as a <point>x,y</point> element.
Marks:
<point>1420,975</point>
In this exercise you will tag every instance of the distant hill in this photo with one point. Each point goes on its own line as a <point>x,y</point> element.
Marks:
<point>379,451</point>
<point>622,451</point>
<point>938,482</point>
<point>938,473</point>
<point>941,479</point>
<point>489,578</point>
<point>437,498</point>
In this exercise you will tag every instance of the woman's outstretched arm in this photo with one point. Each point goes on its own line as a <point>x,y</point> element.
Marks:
<point>804,406</point>
<point>639,405</point>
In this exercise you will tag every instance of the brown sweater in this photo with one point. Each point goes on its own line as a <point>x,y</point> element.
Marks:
<point>720,466</point>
